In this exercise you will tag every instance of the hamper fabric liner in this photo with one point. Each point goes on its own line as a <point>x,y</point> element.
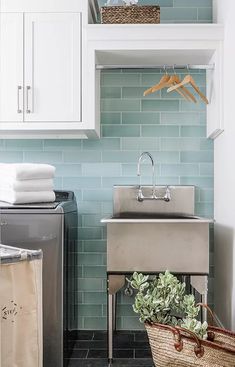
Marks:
<point>21,307</point>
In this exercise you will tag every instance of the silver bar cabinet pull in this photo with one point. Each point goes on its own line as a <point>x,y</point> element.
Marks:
<point>19,88</point>
<point>27,99</point>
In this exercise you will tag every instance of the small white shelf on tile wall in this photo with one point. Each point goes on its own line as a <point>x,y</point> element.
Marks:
<point>158,45</point>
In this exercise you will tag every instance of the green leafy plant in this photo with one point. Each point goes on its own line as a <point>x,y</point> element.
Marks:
<point>163,300</point>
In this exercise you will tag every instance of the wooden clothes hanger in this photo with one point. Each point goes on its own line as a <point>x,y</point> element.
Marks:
<point>189,80</point>
<point>184,92</point>
<point>167,81</point>
<point>160,84</point>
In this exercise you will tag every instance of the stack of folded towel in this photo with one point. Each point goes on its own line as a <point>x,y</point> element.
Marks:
<point>25,183</point>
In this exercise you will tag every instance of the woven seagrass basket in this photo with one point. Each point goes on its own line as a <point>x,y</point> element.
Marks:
<point>133,14</point>
<point>179,347</point>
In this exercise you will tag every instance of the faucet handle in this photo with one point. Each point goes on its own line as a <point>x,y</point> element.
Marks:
<point>140,196</point>
<point>167,196</point>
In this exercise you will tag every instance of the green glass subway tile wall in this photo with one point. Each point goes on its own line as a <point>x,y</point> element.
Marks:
<point>173,130</point>
<point>181,11</point>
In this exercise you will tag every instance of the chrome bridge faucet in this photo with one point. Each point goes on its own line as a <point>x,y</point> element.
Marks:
<point>140,196</point>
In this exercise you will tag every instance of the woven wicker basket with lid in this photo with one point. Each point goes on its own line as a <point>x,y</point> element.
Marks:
<point>130,14</point>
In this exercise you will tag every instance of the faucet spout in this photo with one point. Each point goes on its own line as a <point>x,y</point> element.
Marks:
<point>154,196</point>
<point>148,155</point>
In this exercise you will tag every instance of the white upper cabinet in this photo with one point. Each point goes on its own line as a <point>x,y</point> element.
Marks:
<point>50,62</point>
<point>45,89</point>
<point>52,67</point>
<point>11,67</point>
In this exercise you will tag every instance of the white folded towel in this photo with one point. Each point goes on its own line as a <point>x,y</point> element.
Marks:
<point>14,197</point>
<point>27,185</point>
<point>26,171</point>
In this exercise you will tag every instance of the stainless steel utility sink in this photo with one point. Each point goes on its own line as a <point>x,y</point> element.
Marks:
<point>155,236</point>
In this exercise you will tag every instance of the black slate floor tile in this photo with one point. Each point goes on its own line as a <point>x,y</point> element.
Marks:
<point>116,363</point>
<point>80,335</point>
<point>88,363</point>
<point>100,335</point>
<point>122,339</point>
<point>97,353</point>
<point>141,337</point>
<point>123,353</point>
<point>89,349</point>
<point>132,363</point>
<point>142,353</point>
<point>90,344</point>
<point>131,345</point>
<point>78,353</point>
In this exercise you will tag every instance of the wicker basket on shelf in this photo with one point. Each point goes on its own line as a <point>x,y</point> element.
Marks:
<point>130,14</point>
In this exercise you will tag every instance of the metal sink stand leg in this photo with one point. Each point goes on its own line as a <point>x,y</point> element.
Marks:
<point>110,327</point>
<point>114,284</point>
<point>200,284</point>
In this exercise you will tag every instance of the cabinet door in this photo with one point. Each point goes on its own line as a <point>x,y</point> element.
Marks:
<point>52,67</point>
<point>11,67</point>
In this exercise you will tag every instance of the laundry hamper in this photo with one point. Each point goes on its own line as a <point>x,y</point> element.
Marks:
<point>174,346</point>
<point>21,307</point>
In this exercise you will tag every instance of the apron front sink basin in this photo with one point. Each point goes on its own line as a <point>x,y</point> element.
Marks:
<point>156,241</point>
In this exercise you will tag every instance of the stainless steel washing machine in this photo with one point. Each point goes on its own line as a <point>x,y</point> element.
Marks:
<point>51,227</point>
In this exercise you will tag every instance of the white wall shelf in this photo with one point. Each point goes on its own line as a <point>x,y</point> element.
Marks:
<point>162,44</point>
<point>150,32</point>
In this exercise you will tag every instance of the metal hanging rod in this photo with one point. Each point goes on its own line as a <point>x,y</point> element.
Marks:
<point>160,67</point>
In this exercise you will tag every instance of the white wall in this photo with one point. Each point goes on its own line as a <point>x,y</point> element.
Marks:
<point>225,179</point>
<point>215,8</point>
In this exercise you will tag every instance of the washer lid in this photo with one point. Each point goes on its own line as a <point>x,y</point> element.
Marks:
<point>61,197</point>
<point>4,205</point>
